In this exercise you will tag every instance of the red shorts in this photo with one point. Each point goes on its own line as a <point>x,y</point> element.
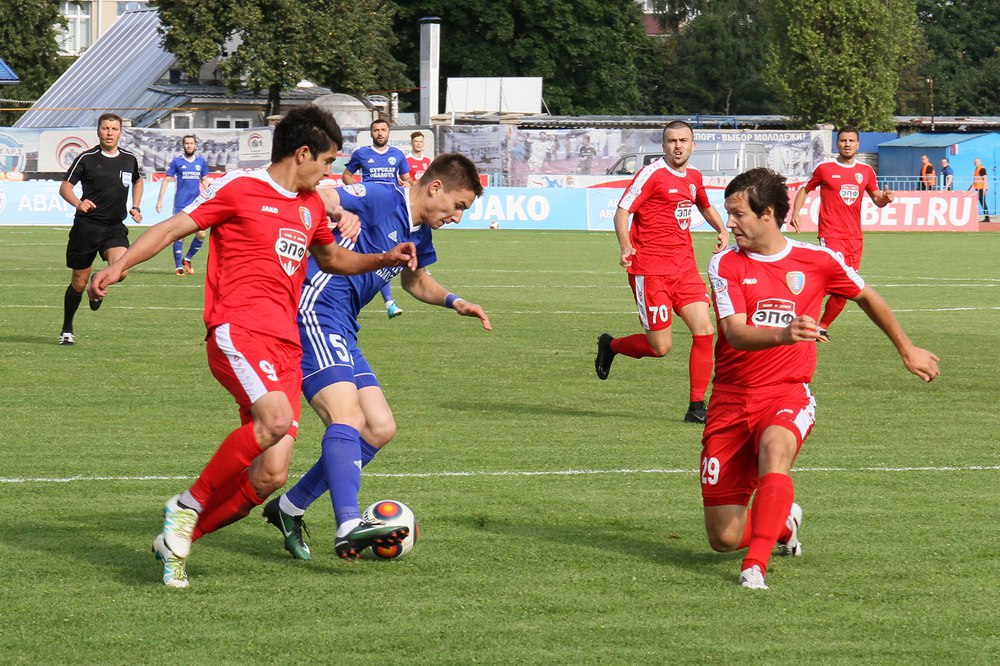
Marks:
<point>656,295</point>
<point>250,364</point>
<point>730,444</point>
<point>849,248</point>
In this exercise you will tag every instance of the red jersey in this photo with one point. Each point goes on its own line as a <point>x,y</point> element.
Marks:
<point>417,166</point>
<point>771,290</point>
<point>661,200</point>
<point>257,258</point>
<point>841,190</point>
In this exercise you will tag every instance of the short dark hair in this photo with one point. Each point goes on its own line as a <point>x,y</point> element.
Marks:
<point>676,125</point>
<point>109,116</point>
<point>414,135</point>
<point>379,121</point>
<point>189,136</point>
<point>764,189</point>
<point>309,126</point>
<point>456,171</point>
<point>849,129</point>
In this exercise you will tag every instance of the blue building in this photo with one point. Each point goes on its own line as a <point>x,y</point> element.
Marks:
<point>900,158</point>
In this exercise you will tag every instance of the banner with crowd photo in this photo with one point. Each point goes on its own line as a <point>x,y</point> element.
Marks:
<point>582,157</point>
<point>27,154</point>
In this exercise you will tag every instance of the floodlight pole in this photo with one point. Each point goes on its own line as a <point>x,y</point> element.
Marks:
<point>930,84</point>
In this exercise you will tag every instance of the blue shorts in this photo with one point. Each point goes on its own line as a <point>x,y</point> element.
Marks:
<point>330,356</point>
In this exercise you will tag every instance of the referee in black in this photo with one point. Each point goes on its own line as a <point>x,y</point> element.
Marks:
<point>105,173</point>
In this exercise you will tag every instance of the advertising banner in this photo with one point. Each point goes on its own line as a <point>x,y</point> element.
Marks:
<point>37,202</point>
<point>909,211</point>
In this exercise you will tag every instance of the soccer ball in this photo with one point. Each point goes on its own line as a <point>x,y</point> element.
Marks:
<point>391,512</point>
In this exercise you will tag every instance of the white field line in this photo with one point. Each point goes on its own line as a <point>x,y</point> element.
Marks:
<point>523,473</point>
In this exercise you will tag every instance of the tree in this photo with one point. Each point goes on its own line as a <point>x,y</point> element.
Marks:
<point>339,44</point>
<point>962,55</point>
<point>586,51</point>
<point>839,61</point>
<point>29,43</point>
<point>719,60</point>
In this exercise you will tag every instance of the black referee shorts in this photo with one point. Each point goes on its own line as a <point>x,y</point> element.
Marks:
<point>87,239</point>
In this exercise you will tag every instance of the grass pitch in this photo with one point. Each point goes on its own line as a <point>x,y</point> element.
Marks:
<point>560,516</point>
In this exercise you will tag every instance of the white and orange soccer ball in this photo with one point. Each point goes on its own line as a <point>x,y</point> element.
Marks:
<point>391,512</point>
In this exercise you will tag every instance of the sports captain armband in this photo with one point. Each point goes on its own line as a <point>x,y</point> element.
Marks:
<point>449,300</point>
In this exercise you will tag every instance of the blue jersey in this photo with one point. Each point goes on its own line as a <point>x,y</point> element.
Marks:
<point>188,175</point>
<point>378,167</point>
<point>335,300</point>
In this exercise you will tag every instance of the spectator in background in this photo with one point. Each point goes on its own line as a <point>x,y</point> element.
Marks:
<point>947,175</point>
<point>927,178</point>
<point>105,173</point>
<point>980,185</point>
<point>190,171</point>
<point>416,159</point>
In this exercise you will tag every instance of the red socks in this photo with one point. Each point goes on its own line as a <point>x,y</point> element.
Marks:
<point>636,346</point>
<point>700,366</point>
<point>234,455</point>
<point>227,504</point>
<point>768,514</point>
<point>834,306</point>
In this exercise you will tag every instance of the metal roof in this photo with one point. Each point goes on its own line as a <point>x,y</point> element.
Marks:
<point>112,75</point>
<point>925,140</point>
<point>7,75</point>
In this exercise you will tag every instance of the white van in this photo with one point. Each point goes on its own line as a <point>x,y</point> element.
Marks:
<point>712,158</point>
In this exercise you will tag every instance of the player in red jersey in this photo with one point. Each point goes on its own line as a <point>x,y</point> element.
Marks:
<point>263,223</point>
<point>419,163</point>
<point>841,183</point>
<point>767,292</point>
<point>658,255</point>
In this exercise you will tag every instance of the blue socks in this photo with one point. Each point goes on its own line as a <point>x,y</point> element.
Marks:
<point>314,483</point>
<point>196,244</point>
<point>178,252</point>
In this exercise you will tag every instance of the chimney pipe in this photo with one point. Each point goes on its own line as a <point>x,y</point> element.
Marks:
<point>430,67</point>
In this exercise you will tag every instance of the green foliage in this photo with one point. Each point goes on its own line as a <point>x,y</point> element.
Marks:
<point>719,60</point>
<point>587,52</point>
<point>838,62</point>
<point>963,55</point>
<point>29,44</point>
<point>340,44</point>
<point>529,553</point>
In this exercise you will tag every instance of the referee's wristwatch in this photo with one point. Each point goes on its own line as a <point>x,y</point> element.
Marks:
<point>135,208</point>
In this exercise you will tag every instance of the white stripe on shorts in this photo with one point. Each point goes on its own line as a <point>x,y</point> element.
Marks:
<point>640,301</point>
<point>242,368</point>
<point>806,418</point>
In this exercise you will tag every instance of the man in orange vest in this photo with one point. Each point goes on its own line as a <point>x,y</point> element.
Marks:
<point>926,173</point>
<point>980,184</point>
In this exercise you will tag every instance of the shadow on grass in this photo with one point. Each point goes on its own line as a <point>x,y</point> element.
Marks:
<point>120,543</point>
<point>479,407</point>
<point>656,545</point>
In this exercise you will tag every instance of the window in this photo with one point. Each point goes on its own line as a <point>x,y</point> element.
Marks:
<point>129,6</point>
<point>76,37</point>
<point>232,123</point>
<point>181,120</point>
